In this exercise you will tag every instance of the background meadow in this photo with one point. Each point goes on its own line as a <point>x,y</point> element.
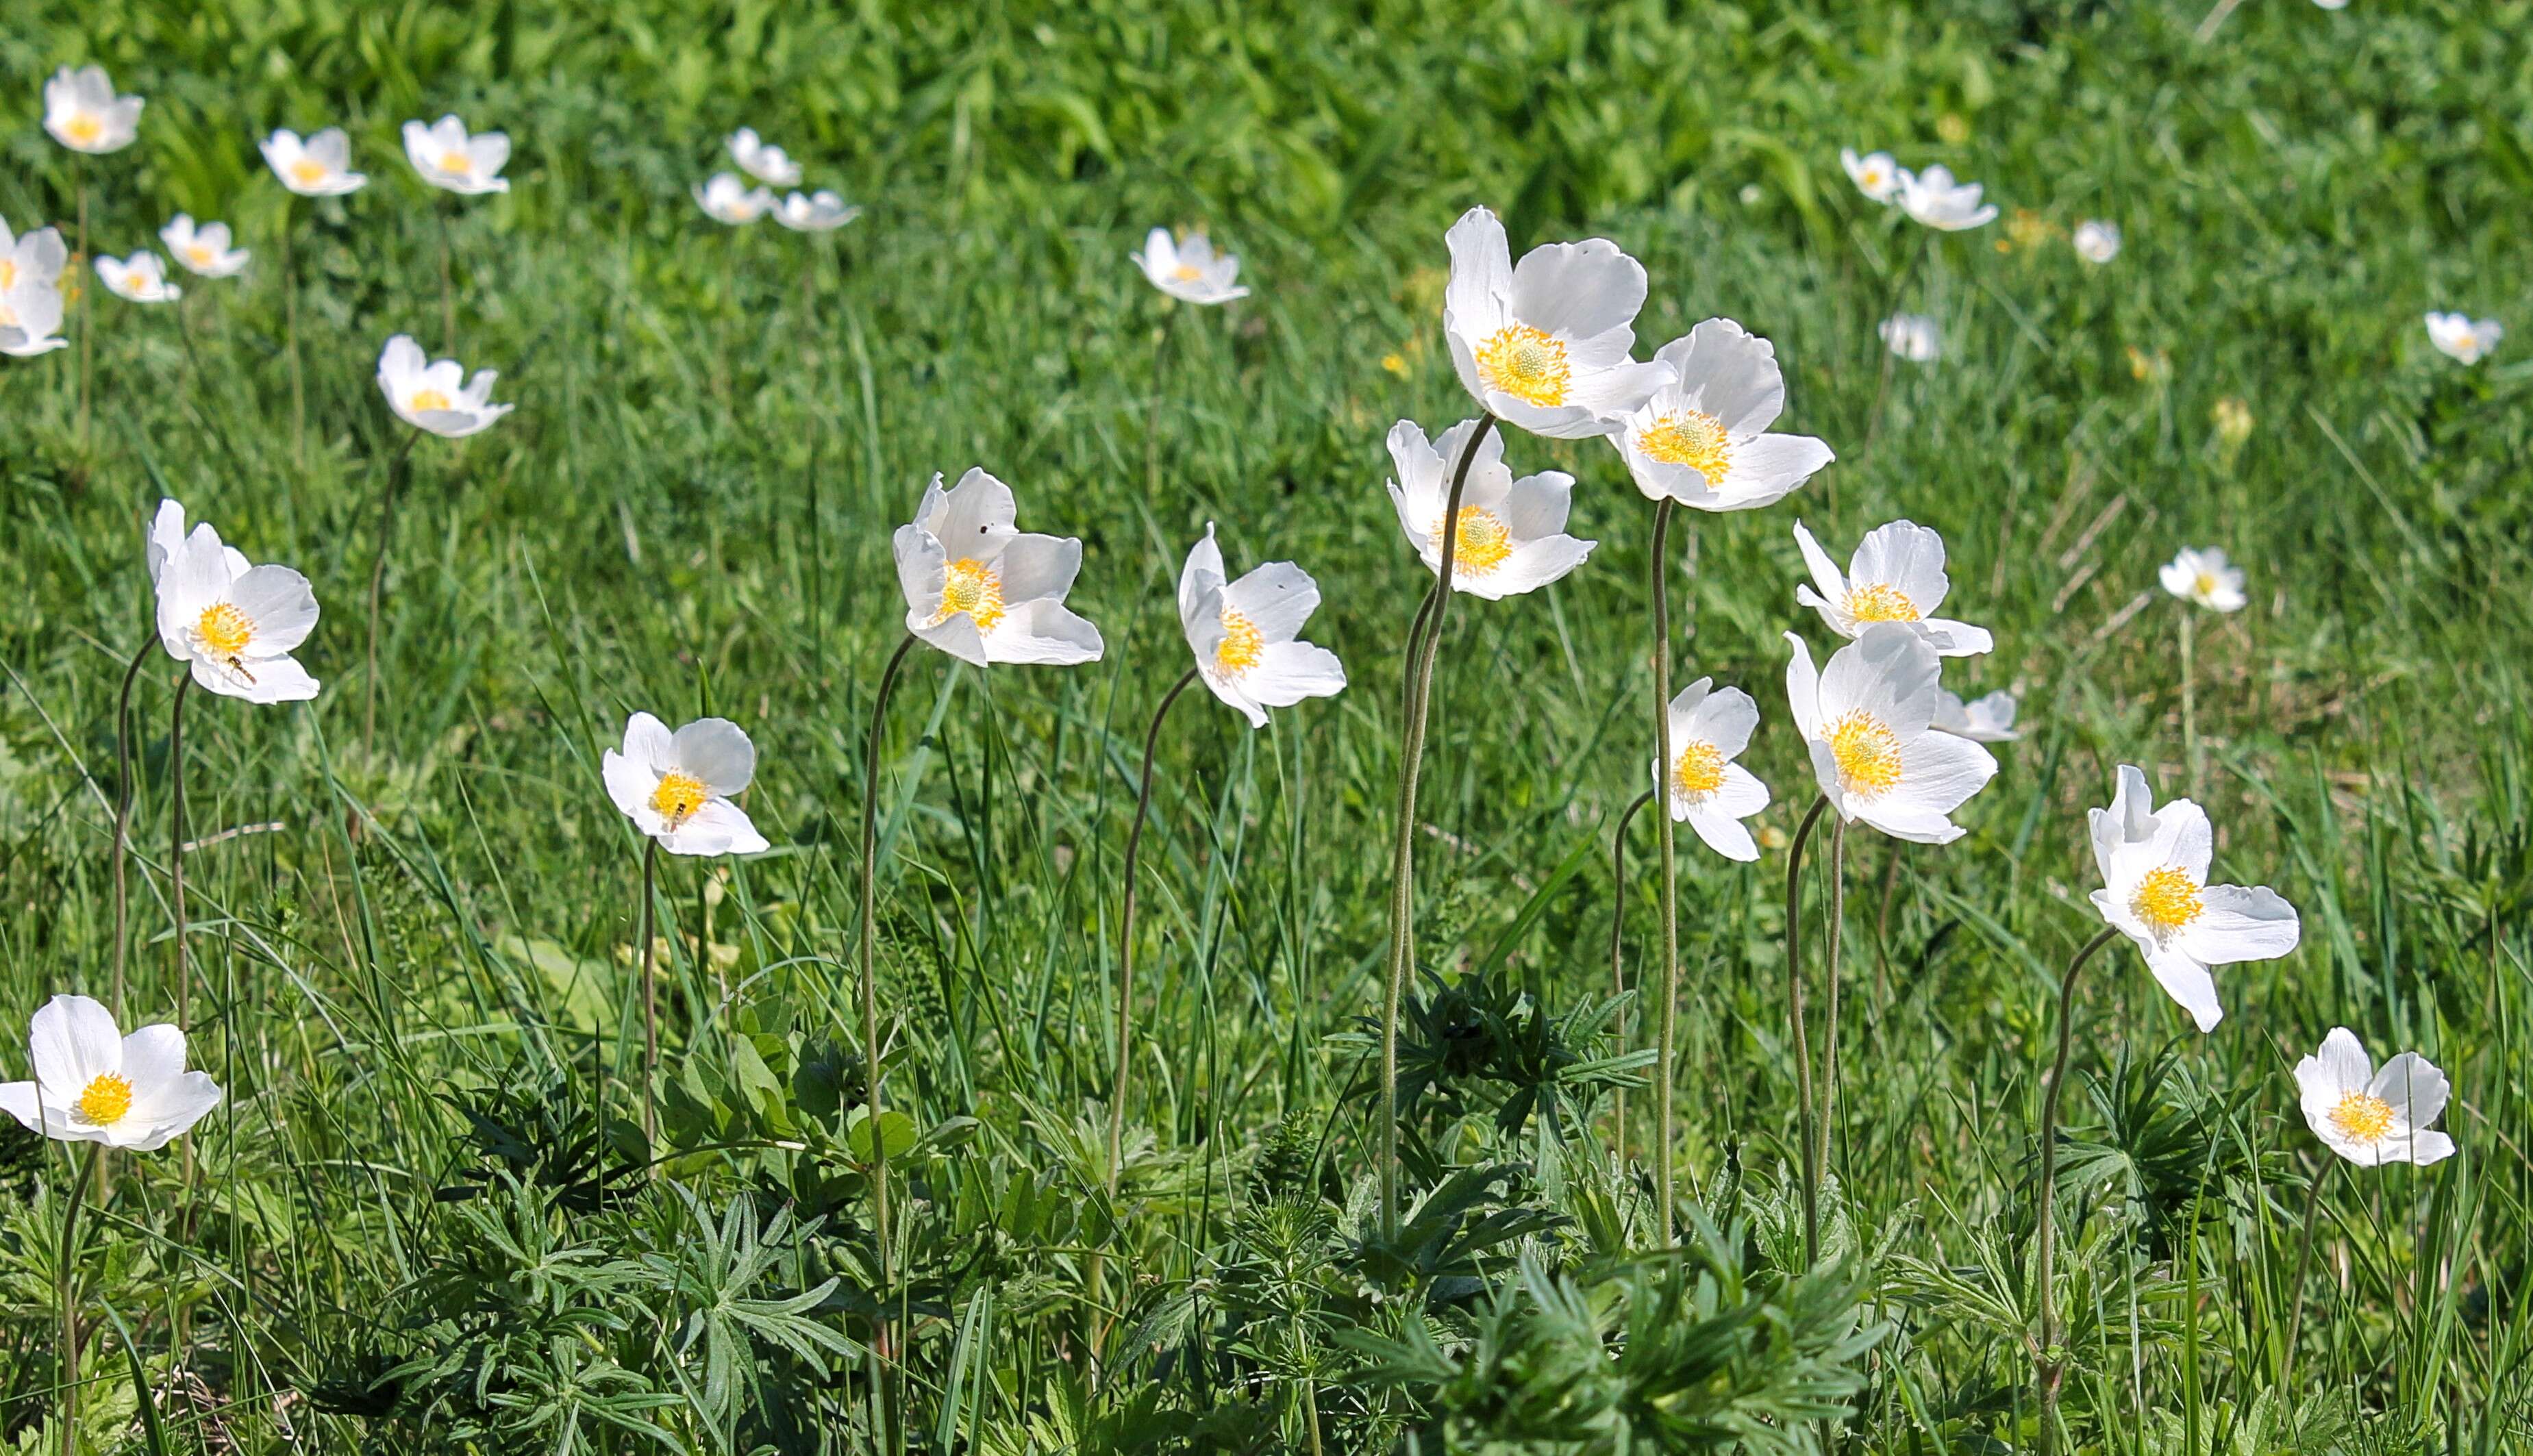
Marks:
<point>420,1222</point>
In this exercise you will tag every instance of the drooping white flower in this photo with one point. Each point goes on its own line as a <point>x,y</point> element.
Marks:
<point>1989,719</point>
<point>1915,337</point>
<point>2203,578</point>
<point>318,168</point>
<point>94,1084</point>
<point>140,279</point>
<point>1191,271</point>
<point>1705,787</point>
<point>2460,337</point>
<point>83,114</point>
<point>426,394</point>
<point>37,256</point>
<point>451,161</point>
<point>1511,531</point>
<point>2370,1116</point>
<point>1875,174</point>
<point>820,211</point>
<point>981,590</point>
<point>2097,241</point>
<point>204,250</point>
<point>235,629</point>
<point>2155,892</point>
<point>1545,345</point>
<point>1243,632</point>
<point>764,162</point>
<point>1869,719</point>
<point>1897,575</point>
<point>1701,440</point>
<point>679,787</point>
<point>726,199</point>
<point>1934,199</point>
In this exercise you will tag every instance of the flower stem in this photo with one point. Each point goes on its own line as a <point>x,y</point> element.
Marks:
<point>870,1015</point>
<point>176,847</point>
<point>1803,1039</point>
<point>1829,995</point>
<point>397,468</point>
<point>1618,965</point>
<point>448,295</point>
<point>85,271</point>
<point>2189,700</point>
<point>1666,848</point>
<point>2304,1261</point>
<point>66,1295</point>
<point>123,816</point>
<point>1402,902</point>
<point>290,327</point>
<point>650,1001</point>
<point>2047,1369</point>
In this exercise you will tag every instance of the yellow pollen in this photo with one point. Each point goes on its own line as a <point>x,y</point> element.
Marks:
<point>200,252</point>
<point>1697,772</point>
<point>1691,437</point>
<point>84,128</point>
<point>972,588</point>
<point>456,161</point>
<point>678,796</point>
<point>106,1100</point>
<point>308,172</point>
<point>2166,900</point>
<point>2204,584</point>
<point>1187,272</point>
<point>1526,364</point>
<point>1880,604</point>
<point>1867,752</point>
<point>8,273</point>
<point>427,399</point>
<point>1241,646</point>
<point>2362,1118</point>
<point>224,629</point>
<point>1484,542</point>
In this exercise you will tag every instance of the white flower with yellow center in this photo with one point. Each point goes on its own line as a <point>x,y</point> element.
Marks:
<point>1191,271</point>
<point>980,589</point>
<point>36,258</point>
<point>726,199</point>
<point>761,160</point>
<point>1869,719</point>
<point>678,788</point>
<point>820,211</point>
<point>83,114</point>
<point>2462,338</point>
<point>427,395</point>
<point>318,168</point>
<point>1705,787</point>
<point>1934,199</point>
<point>1897,575</point>
<point>94,1084</point>
<point>1243,631</point>
<point>204,250</point>
<point>2204,577</point>
<point>1545,345</point>
<point>2370,1116</point>
<point>1875,174</point>
<point>1915,337</point>
<point>449,160</point>
<point>140,279</point>
<point>234,624</point>
<point>2155,892</point>
<point>1511,531</point>
<point>1990,720</point>
<point>1701,440</point>
<point>2097,241</point>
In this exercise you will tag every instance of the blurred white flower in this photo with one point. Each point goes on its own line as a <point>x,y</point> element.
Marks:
<point>235,625</point>
<point>141,278</point>
<point>679,787</point>
<point>818,212</point>
<point>1705,788</point>
<point>1545,345</point>
<point>449,158</point>
<point>202,250</point>
<point>1243,631</point>
<point>2155,892</point>
<point>1915,337</point>
<point>1511,531</point>
<point>2097,241</point>
<point>726,199</point>
<point>1701,440</point>
<point>83,114</point>
<point>2459,337</point>
<point>2331,4</point>
<point>1989,719</point>
<point>37,257</point>
<point>94,1084</point>
<point>2203,578</point>
<point>2370,1116</point>
<point>1875,174</point>
<point>1191,271</point>
<point>981,590</point>
<point>427,395</point>
<point>1897,575</point>
<point>1868,720</point>
<point>318,168</point>
<point>765,163</point>
<point>1934,199</point>
<point>29,315</point>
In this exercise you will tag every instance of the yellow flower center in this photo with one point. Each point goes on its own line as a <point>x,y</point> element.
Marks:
<point>106,1100</point>
<point>8,273</point>
<point>972,588</point>
<point>224,629</point>
<point>427,399</point>
<point>1526,364</point>
<point>1868,753</point>
<point>1880,604</point>
<point>1484,541</point>
<point>1241,646</point>
<point>2204,584</point>
<point>1697,772</point>
<point>1187,272</point>
<point>2361,1117</point>
<point>2167,899</point>
<point>308,172</point>
<point>678,796</point>
<point>1691,437</point>
<point>457,162</point>
<point>201,254</point>
<point>85,129</point>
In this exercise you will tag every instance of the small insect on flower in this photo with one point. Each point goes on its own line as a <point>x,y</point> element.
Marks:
<point>2155,892</point>
<point>980,589</point>
<point>678,788</point>
<point>1897,575</point>
<point>1190,271</point>
<point>140,279</point>
<point>2097,241</point>
<point>94,1084</point>
<point>726,199</point>
<point>1869,719</point>
<point>1934,199</point>
<point>765,162</point>
<point>1545,345</point>
<point>1915,337</point>
<point>426,394</point>
<point>1511,533</point>
<point>1875,174</point>
<point>83,114</point>
<point>204,250</point>
<point>318,168</point>
<point>2462,338</point>
<point>2203,578</point>
<point>820,211</point>
<point>1989,719</point>
<point>233,623</point>
<point>1705,787</point>
<point>1701,440</point>
<point>451,161</point>
<point>1243,631</point>
<point>2370,1116</point>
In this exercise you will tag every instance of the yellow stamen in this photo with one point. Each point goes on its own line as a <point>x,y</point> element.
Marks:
<point>457,162</point>
<point>1526,364</point>
<point>1485,541</point>
<point>2204,584</point>
<point>1242,644</point>
<point>224,629</point>
<point>201,254</point>
<point>85,129</point>
<point>1868,753</point>
<point>106,1100</point>
<point>308,172</point>
<point>427,399</point>
<point>2167,899</point>
<point>1697,772</point>
<point>1691,437</point>
<point>678,796</point>
<point>1880,604</point>
<point>1187,272</point>
<point>2362,1118</point>
<point>973,588</point>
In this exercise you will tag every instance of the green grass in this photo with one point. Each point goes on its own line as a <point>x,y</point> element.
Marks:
<point>416,1225</point>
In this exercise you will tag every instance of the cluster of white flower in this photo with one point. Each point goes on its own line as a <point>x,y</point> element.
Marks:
<point>725,197</point>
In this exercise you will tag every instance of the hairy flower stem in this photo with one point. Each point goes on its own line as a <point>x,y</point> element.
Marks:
<point>1618,965</point>
<point>397,468</point>
<point>1829,995</point>
<point>650,1001</point>
<point>66,1297</point>
<point>1803,1148</point>
<point>2189,700</point>
<point>871,1026</point>
<point>1667,849</point>
<point>123,816</point>
<point>2303,1264</point>
<point>2048,1371</point>
<point>1411,754</point>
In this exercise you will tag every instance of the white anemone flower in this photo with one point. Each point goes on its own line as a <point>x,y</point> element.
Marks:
<point>820,211</point>
<point>167,537</point>
<point>28,315</point>
<point>1191,271</point>
<point>1869,719</point>
<point>1897,575</point>
<point>2370,1116</point>
<point>1705,788</point>
<point>678,788</point>
<point>761,160</point>
<point>1511,533</point>
<point>38,256</point>
<point>1988,720</point>
<point>320,166</point>
<point>83,114</point>
<point>1701,440</point>
<point>2203,578</point>
<point>1243,632</point>
<point>453,161</point>
<point>2155,892</point>
<point>2460,337</point>
<point>2097,241</point>
<point>1934,199</point>
<point>234,627</point>
<point>426,394</point>
<point>1875,174</point>
<point>983,591</point>
<point>140,279</point>
<point>1915,337</point>
<point>726,199</point>
<point>94,1084</point>
<point>204,250</point>
<point>1545,345</point>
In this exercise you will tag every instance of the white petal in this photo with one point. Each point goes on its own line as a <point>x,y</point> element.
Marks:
<point>1034,567</point>
<point>716,751</point>
<point>1277,598</point>
<point>1044,631</point>
<point>280,604</point>
<point>2414,1088</point>
<point>1579,290</point>
<point>2187,982</point>
<point>2237,923</point>
<point>1286,672</point>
